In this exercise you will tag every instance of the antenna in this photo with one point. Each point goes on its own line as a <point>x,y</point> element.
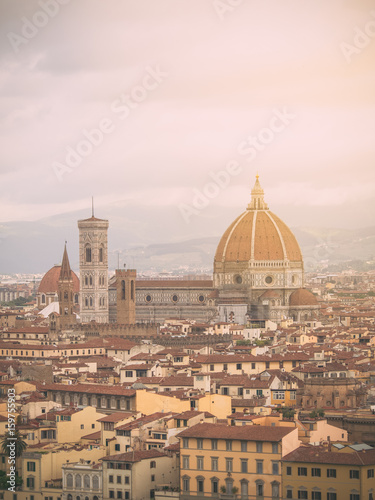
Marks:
<point>92,206</point>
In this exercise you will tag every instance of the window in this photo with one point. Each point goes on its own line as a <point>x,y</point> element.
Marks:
<point>239,366</point>
<point>214,485</point>
<point>214,463</point>
<point>110,479</point>
<point>243,446</point>
<point>354,474</point>
<point>200,463</point>
<point>185,443</point>
<point>228,445</point>
<point>331,472</point>
<point>229,464</point>
<point>117,447</point>
<point>78,481</point>
<point>127,479</point>
<point>88,253</point>
<point>302,471</point>
<point>316,495</point>
<point>289,493</point>
<point>288,471</point>
<point>31,466</point>
<point>259,488</point>
<point>275,490</point>
<point>95,482</point>
<point>153,464</point>
<point>259,466</point>
<point>275,468</point>
<point>302,494</point>
<point>370,473</point>
<point>331,496</point>
<point>244,489</point>
<point>86,482</point>
<point>278,394</point>
<point>186,483</point>
<point>259,447</point>
<point>127,495</point>
<point>244,466</point>
<point>212,368</point>
<point>354,496</point>
<point>315,472</point>
<point>214,444</point>
<point>275,448</point>
<point>118,479</point>
<point>200,444</point>
<point>185,462</point>
<point>119,494</point>
<point>30,482</point>
<point>200,484</point>
<point>69,481</point>
<point>225,367</point>
<point>111,494</point>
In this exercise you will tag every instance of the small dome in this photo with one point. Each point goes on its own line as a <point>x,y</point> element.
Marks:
<point>302,297</point>
<point>269,294</point>
<point>50,281</point>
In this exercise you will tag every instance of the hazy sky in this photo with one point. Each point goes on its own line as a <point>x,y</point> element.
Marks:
<point>180,86</point>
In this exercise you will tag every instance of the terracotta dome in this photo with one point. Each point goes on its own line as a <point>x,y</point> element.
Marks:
<point>270,294</point>
<point>258,235</point>
<point>302,297</point>
<point>50,280</point>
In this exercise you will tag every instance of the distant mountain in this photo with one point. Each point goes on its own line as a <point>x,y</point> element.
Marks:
<point>170,245</point>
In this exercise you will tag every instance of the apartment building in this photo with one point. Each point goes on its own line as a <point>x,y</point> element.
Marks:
<point>216,458</point>
<point>337,472</point>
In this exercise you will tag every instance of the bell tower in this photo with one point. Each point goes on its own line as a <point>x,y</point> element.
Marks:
<point>125,291</point>
<point>65,291</point>
<point>93,267</point>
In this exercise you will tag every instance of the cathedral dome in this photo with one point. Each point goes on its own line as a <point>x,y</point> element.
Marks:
<point>302,297</point>
<point>50,280</point>
<point>258,235</point>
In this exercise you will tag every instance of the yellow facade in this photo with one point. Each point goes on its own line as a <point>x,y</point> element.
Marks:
<point>247,459</point>
<point>331,475</point>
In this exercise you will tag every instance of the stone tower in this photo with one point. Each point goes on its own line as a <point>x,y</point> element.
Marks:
<point>93,266</point>
<point>65,292</point>
<point>125,291</point>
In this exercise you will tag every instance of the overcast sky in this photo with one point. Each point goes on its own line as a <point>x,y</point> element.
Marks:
<point>179,86</point>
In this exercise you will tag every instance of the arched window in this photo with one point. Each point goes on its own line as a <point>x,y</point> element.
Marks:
<point>95,483</point>
<point>43,298</point>
<point>90,280</point>
<point>200,484</point>
<point>123,295</point>
<point>78,481</point>
<point>76,298</point>
<point>275,489</point>
<point>90,301</point>
<point>185,483</point>
<point>229,486</point>
<point>70,497</point>
<point>88,253</point>
<point>86,482</point>
<point>86,280</point>
<point>259,485</point>
<point>244,488</point>
<point>69,482</point>
<point>66,296</point>
<point>101,254</point>
<point>132,290</point>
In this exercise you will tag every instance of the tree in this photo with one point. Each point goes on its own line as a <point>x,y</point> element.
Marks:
<point>4,485</point>
<point>19,445</point>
